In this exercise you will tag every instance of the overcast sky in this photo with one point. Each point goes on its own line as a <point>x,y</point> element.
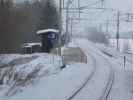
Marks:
<point>122,5</point>
<point>125,5</point>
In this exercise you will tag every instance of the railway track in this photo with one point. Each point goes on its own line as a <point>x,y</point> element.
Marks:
<point>110,80</point>
<point>128,55</point>
<point>108,86</point>
<point>87,80</point>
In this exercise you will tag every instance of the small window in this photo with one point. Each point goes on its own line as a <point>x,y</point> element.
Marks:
<point>52,36</point>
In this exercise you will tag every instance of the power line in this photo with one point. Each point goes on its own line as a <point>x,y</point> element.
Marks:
<point>92,4</point>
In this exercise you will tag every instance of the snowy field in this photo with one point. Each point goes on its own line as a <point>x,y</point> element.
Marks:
<point>39,76</point>
<point>99,85</point>
<point>122,85</point>
<point>59,86</point>
<point>18,72</point>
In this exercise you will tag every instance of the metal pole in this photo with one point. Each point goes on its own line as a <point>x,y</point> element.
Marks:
<point>67,19</point>
<point>79,7</point>
<point>118,29</point>
<point>107,27</point>
<point>102,3</point>
<point>71,27</point>
<point>63,4</point>
<point>60,30</point>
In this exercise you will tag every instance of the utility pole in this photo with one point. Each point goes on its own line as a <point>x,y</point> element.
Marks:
<point>118,29</point>
<point>67,20</point>
<point>107,27</point>
<point>63,4</point>
<point>71,27</point>
<point>60,30</point>
<point>79,7</point>
<point>102,3</point>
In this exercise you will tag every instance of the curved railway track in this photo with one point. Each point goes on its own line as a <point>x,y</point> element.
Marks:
<point>87,80</point>
<point>109,84</point>
<point>110,80</point>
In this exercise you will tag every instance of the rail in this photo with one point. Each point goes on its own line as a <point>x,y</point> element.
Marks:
<point>87,80</point>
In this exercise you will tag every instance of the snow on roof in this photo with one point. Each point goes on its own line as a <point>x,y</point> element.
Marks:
<point>47,30</point>
<point>31,44</point>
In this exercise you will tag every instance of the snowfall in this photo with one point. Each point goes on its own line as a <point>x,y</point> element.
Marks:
<point>40,76</point>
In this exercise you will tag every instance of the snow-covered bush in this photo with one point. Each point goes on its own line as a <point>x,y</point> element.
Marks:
<point>19,71</point>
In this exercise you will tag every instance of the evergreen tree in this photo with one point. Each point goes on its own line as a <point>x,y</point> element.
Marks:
<point>6,25</point>
<point>14,22</point>
<point>49,15</point>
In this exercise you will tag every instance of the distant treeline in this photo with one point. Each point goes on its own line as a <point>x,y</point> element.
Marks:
<point>19,22</point>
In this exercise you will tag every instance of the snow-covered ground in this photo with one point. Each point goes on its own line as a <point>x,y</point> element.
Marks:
<point>100,83</point>
<point>39,76</point>
<point>59,86</point>
<point>123,84</point>
<point>17,72</point>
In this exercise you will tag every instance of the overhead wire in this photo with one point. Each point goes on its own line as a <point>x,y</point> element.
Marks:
<point>92,4</point>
